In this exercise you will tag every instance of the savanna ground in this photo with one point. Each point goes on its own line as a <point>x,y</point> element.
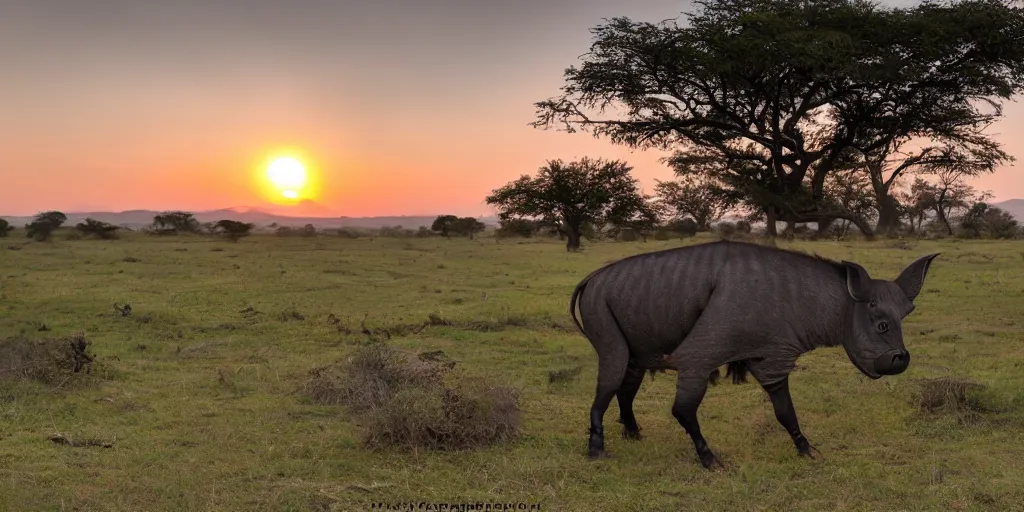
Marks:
<point>195,393</point>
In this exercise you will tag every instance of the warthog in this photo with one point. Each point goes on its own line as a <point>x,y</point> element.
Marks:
<point>753,308</point>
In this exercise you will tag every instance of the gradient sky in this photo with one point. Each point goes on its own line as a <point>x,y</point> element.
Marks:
<point>401,106</point>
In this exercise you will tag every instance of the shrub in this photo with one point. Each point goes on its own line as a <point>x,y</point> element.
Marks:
<point>683,227</point>
<point>404,402</point>
<point>743,226</point>
<point>468,415</point>
<point>5,228</point>
<point>49,361</point>
<point>44,224</point>
<point>98,229</point>
<point>951,396</point>
<point>233,230</point>
<point>725,229</point>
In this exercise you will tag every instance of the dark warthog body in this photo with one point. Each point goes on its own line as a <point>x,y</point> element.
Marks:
<point>753,308</point>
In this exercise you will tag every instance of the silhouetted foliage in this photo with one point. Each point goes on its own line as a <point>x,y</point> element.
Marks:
<point>468,226</point>
<point>5,228</point>
<point>98,229</point>
<point>44,224</point>
<point>587,191</point>
<point>517,227</point>
<point>175,222</point>
<point>308,230</point>
<point>443,224</point>
<point>232,229</point>
<point>682,227</point>
<point>697,197</point>
<point>949,197</point>
<point>985,221</point>
<point>775,96</point>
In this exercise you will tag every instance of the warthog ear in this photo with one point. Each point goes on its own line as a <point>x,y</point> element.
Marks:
<point>857,281</point>
<point>911,280</point>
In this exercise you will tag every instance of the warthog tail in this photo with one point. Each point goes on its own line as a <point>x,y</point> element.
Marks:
<point>576,294</point>
<point>736,369</point>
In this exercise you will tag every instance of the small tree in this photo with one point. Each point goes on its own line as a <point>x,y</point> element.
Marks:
<point>696,197</point>
<point>467,226</point>
<point>587,191</point>
<point>175,222</point>
<point>682,227</point>
<point>232,229</point>
<point>443,224</point>
<point>985,221</point>
<point>44,224</point>
<point>5,228</point>
<point>98,229</point>
<point>517,227</point>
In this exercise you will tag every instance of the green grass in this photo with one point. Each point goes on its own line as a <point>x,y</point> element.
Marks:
<point>199,398</point>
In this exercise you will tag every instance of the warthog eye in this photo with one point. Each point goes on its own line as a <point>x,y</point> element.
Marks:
<point>872,304</point>
<point>883,326</point>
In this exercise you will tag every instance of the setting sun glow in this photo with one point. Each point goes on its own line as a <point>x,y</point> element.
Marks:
<point>288,175</point>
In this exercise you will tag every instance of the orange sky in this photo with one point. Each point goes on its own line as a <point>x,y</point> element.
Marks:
<point>400,115</point>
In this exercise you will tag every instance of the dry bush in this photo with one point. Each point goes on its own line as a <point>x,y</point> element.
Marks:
<point>369,378</point>
<point>469,415</point>
<point>950,395</point>
<point>404,402</point>
<point>50,361</point>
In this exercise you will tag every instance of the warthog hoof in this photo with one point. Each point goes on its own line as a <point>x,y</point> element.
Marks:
<point>809,451</point>
<point>599,454</point>
<point>710,461</point>
<point>633,435</point>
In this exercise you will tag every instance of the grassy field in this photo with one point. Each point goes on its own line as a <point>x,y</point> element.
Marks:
<point>196,390</point>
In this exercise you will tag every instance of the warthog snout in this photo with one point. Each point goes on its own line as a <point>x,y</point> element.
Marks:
<point>892,362</point>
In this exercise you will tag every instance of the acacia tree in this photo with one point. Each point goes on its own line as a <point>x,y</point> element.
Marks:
<point>44,224</point>
<point>176,222</point>
<point>233,230</point>
<point>968,149</point>
<point>569,195</point>
<point>99,229</point>
<point>443,224</point>
<point>696,197</point>
<point>850,191</point>
<point>789,87</point>
<point>949,196</point>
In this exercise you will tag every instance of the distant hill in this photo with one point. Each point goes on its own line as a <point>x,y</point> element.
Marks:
<point>1014,206</point>
<point>140,218</point>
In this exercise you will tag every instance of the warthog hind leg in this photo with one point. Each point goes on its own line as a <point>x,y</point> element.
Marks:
<point>626,394</point>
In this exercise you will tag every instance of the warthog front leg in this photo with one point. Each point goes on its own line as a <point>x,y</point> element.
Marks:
<point>690,391</point>
<point>786,414</point>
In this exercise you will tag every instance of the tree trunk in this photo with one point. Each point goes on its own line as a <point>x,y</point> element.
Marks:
<point>572,239</point>
<point>888,214</point>
<point>940,211</point>
<point>770,223</point>
<point>824,225</point>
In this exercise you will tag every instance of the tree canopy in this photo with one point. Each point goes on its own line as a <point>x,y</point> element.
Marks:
<point>44,224</point>
<point>232,229</point>
<point>98,229</point>
<point>782,93</point>
<point>570,195</point>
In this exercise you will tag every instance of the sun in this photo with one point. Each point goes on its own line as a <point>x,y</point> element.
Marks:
<point>288,175</point>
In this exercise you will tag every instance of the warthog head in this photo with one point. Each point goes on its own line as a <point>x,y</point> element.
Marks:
<point>874,337</point>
